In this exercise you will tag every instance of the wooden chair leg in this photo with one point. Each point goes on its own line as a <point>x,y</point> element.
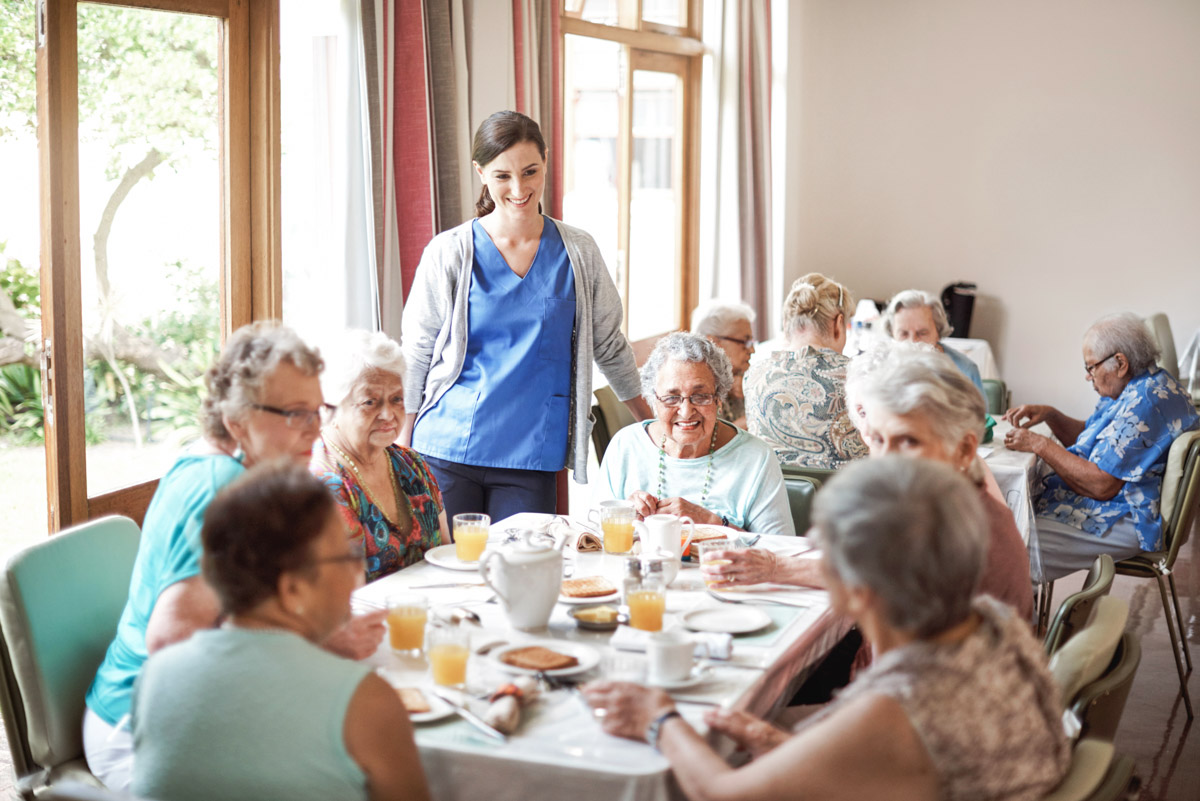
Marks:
<point>1187,652</point>
<point>1175,645</point>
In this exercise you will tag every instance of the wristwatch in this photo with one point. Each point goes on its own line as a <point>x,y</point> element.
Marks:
<point>655,727</point>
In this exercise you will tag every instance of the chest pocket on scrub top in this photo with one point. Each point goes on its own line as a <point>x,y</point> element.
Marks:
<point>558,324</point>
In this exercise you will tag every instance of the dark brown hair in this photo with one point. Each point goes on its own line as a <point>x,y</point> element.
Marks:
<point>260,527</point>
<point>497,134</point>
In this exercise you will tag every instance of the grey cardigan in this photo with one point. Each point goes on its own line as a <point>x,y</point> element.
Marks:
<point>434,328</point>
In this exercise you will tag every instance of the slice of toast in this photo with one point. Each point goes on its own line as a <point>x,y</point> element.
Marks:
<point>587,587</point>
<point>535,657</point>
<point>707,533</point>
<point>413,699</point>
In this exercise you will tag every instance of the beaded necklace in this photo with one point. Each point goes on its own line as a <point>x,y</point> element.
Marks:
<point>396,494</point>
<point>662,466</point>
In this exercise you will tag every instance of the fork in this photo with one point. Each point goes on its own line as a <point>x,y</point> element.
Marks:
<point>757,601</point>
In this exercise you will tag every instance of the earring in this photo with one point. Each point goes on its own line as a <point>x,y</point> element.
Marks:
<point>239,455</point>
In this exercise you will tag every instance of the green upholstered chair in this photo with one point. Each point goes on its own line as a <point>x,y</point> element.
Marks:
<point>1098,706</point>
<point>60,601</point>
<point>1160,329</point>
<point>817,475</point>
<point>611,416</point>
<point>1085,657</point>
<point>800,491</point>
<point>1180,503</point>
<point>1075,610</point>
<point>1097,773</point>
<point>995,392</point>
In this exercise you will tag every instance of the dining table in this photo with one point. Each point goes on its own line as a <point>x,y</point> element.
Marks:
<point>559,749</point>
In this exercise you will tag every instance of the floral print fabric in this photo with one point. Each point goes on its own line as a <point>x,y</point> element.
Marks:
<point>1128,438</point>
<point>387,548</point>
<point>796,403</point>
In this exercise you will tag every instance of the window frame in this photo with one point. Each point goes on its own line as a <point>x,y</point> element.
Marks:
<point>250,223</point>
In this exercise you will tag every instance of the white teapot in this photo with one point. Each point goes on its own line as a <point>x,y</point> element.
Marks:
<point>662,535</point>
<point>526,576</point>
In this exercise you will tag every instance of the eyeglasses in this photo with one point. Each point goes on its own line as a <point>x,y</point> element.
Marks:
<point>356,556</point>
<point>699,399</point>
<point>299,418</point>
<point>745,343</point>
<point>1091,368</point>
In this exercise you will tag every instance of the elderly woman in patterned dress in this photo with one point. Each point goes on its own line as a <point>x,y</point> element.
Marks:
<point>386,494</point>
<point>796,401</point>
<point>1104,492</point>
<point>958,704</point>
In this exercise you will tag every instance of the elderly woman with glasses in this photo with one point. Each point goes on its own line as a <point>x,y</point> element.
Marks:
<point>958,703</point>
<point>730,326</point>
<point>1103,494</point>
<point>916,316</point>
<point>796,400</point>
<point>386,493</point>
<point>257,709</point>
<point>687,462</point>
<point>264,402</point>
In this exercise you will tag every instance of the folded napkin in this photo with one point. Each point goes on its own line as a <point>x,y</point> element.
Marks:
<point>712,645</point>
<point>578,537</point>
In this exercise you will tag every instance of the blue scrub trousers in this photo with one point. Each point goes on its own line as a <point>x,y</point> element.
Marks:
<point>498,492</point>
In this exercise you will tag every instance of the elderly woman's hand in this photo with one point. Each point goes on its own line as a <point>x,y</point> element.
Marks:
<point>751,734</point>
<point>359,636</point>
<point>681,507</point>
<point>1028,414</point>
<point>747,566</point>
<point>626,710</point>
<point>1021,439</point>
<point>644,504</point>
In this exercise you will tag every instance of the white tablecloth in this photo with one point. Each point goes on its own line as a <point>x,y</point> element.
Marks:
<point>1016,473</point>
<point>978,351</point>
<point>560,751</point>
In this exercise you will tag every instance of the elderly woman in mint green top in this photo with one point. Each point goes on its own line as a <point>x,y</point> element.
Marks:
<point>257,709</point>
<point>264,402</point>
<point>686,461</point>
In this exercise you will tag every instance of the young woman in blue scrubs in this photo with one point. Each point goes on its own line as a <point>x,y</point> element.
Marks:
<point>506,315</point>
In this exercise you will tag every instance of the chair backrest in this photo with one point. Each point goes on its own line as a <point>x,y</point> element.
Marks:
<point>610,413</point>
<point>1075,610</point>
<point>600,435</point>
<point>1180,491</point>
<point>1099,705</point>
<point>60,601</point>
<point>1096,773</point>
<point>1160,329</point>
<point>1085,657</point>
<point>817,475</point>
<point>800,491</point>
<point>995,392</point>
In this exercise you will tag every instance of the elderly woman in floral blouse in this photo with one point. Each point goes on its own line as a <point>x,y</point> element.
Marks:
<point>386,494</point>
<point>796,401</point>
<point>1104,492</point>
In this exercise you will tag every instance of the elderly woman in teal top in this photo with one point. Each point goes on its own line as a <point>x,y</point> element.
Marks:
<point>1103,494</point>
<point>688,462</point>
<point>916,316</point>
<point>506,315</point>
<point>264,402</point>
<point>257,709</point>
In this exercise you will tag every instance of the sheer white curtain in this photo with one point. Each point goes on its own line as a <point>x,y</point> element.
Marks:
<point>329,277</point>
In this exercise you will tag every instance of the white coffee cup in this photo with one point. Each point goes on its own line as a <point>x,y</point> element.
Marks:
<point>669,657</point>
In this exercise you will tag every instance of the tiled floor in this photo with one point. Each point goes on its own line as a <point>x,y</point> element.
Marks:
<point>1155,730</point>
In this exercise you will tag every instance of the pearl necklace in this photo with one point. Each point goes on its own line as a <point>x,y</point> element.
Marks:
<point>662,466</point>
<point>396,494</point>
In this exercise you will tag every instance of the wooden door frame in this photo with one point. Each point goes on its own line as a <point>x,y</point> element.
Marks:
<point>251,278</point>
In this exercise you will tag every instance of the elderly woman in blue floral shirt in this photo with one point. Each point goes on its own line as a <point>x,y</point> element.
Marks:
<point>1103,496</point>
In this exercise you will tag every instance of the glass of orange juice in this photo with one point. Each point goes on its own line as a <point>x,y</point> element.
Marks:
<point>406,618</point>
<point>470,536</point>
<point>449,648</point>
<point>616,522</point>
<point>646,609</point>
<point>707,550</point>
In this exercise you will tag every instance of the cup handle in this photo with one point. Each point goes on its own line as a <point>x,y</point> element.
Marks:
<point>593,517</point>
<point>484,571</point>
<point>640,533</point>
<point>691,524</point>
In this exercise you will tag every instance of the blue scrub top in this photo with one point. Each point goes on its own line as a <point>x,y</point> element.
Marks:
<point>510,406</point>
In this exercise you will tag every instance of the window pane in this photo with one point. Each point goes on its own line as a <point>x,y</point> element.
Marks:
<point>655,259</point>
<point>604,12</point>
<point>665,12</point>
<point>592,68</point>
<point>149,195</point>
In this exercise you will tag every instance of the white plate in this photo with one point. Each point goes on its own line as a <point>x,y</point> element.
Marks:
<point>595,599</point>
<point>727,619</point>
<point>699,676</point>
<point>444,556</point>
<point>438,709</point>
<point>588,657</point>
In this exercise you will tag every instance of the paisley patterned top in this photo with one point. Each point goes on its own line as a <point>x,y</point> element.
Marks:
<point>387,549</point>
<point>1127,437</point>
<point>796,403</point>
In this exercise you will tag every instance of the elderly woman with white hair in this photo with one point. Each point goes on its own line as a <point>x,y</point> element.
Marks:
<point>386,494</point>
<point>1103,494</point>
<point>687,462</point>
<point>796,400</point>
<point>917,404</point>
<point>916,316</point>
<point>903,545</point>
<point>730,326</point>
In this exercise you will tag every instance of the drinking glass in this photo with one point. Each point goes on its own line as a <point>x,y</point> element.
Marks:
<point>709,547</point>
<point>470,536</point>
<point>406,618</point>
<point>616,522</point>
<point>449,649</point>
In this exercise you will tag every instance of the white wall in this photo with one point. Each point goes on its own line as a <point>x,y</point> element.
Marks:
<point>1048,150</point>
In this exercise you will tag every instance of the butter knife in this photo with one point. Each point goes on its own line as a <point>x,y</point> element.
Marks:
<point>471,717</point>
<point>446,585</point>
